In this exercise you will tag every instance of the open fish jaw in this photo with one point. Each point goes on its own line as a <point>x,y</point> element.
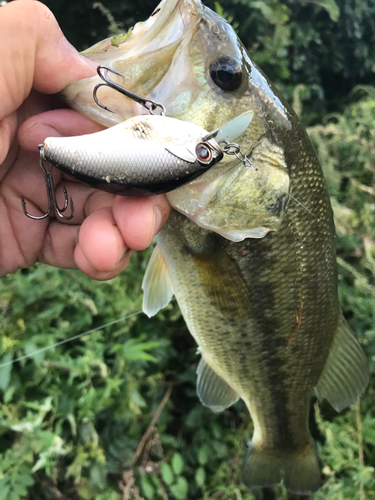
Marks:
<point>143,58</point>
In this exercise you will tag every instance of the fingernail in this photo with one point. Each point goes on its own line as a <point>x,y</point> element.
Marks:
<point>126,255</point>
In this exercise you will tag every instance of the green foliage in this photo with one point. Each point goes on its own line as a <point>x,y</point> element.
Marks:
<point>73,416</point>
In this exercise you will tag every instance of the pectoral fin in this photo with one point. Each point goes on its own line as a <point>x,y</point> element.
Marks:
<point>345,375</point>
<point>156,284</point>
<point>212,390</point>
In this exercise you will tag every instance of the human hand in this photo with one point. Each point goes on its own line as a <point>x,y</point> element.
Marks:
<point>36,61</point>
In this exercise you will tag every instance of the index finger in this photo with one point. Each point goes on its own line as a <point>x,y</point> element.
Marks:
<point>34,54</point>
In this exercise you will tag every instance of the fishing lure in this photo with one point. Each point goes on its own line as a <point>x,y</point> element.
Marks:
<point>142,156</point>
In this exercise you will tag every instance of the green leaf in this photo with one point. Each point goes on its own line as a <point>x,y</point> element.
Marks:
<point>33,352</point>
<point>4,489</point>
<point>136,397</point>
<point>146,487</point>
<point>5,370</point>
<point>177,463</point>
<point>25,476</point>
<point>330,6</point>
<point>203,455</point>
<point>167,473</point>
<point>19,490</point>
<point>155,481</point>
<point>200,476</point>
<point>180,489</point>
<point>137,351</point>
<point>266,10</point>
<point>98,476</point>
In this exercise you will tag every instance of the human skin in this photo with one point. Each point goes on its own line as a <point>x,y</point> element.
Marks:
<point>36,62</point>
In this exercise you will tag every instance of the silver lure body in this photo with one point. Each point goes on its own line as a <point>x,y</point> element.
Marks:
<point>141,156</point>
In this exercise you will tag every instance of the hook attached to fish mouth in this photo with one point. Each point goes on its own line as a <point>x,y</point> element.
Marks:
<point>149,104</point>
<point>51,196</point>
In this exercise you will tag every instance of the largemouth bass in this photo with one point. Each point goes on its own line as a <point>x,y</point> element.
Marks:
<point>249,249</point>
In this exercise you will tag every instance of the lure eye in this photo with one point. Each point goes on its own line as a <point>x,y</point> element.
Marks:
<point>203,153</point>
<point>226,73</point>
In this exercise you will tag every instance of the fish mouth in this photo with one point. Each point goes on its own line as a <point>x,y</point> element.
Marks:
<point>143,56</point>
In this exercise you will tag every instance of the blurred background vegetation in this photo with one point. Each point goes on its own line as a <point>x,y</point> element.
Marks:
<point>113,415</point>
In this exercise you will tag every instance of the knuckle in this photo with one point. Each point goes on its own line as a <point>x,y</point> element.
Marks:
<point>42,11</point>
<point>42,19</point>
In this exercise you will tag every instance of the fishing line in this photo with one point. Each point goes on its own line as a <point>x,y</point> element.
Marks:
<point>288,193</point>
<point>297,201</point>
<point>70,339</point>
<point>235,150</point>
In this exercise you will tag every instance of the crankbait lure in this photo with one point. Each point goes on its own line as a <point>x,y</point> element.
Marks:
<point>142,156</point>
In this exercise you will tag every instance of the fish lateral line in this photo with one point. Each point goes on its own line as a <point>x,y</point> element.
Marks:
<point>298,319</point>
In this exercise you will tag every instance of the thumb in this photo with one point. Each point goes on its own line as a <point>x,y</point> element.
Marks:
<point>34,54</point>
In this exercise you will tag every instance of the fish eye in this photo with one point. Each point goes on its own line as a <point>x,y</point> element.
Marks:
<point>203,153</point>
<point>226,73</point>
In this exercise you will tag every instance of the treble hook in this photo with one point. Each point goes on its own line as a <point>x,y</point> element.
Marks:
<point>149,104</point>
<point>51,196</point>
